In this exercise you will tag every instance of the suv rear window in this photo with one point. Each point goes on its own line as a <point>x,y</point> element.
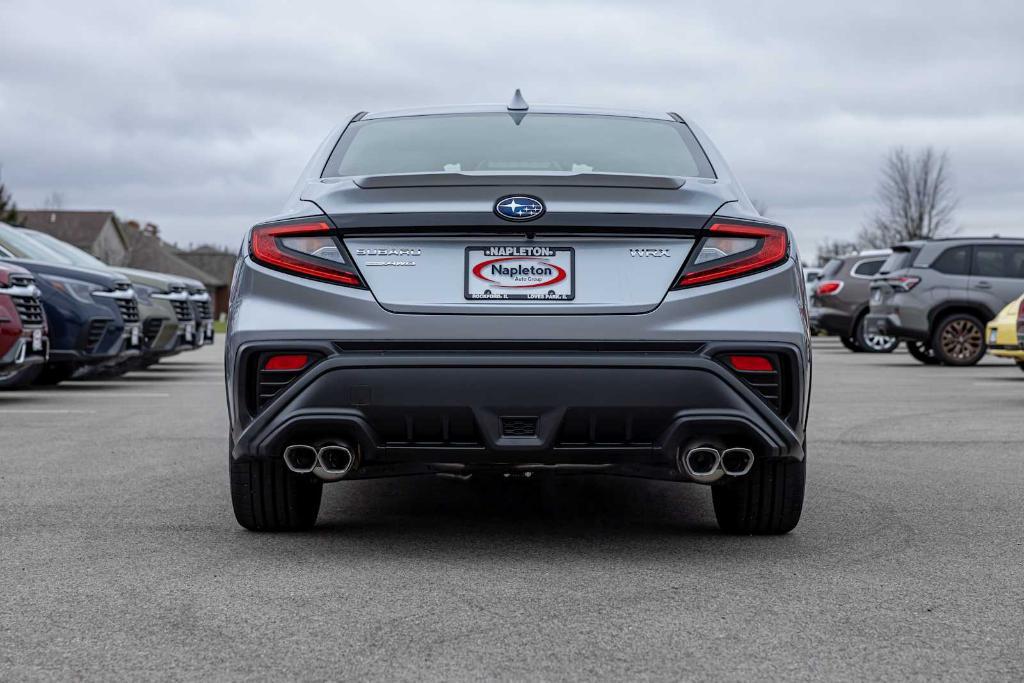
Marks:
<point>574,143</point>
<point>901,257</point>
<point>997,260</point>
<point>831,269</point>
<point>867,268</point>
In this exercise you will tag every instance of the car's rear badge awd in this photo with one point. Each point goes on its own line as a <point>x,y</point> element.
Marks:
<point>519,208</point>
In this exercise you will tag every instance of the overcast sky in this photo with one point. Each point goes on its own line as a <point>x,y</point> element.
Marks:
<point>198,116</point>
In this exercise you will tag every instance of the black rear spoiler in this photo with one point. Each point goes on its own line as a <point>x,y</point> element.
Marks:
<point>520,179</point>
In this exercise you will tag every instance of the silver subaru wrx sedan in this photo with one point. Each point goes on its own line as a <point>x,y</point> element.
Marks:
<point>518,289</point>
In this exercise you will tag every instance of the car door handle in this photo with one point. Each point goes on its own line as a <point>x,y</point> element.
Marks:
<point>984,284</point>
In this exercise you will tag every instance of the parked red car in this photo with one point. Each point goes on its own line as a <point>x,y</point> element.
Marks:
<point>23,333</point>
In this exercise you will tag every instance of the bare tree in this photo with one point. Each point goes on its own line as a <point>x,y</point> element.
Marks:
<point>916,199</point>
<point>830,249</point>
<point>54,201</point>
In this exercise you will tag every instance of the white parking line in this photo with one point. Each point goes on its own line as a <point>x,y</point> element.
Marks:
<point>89,394</point>
<point>44,411</point>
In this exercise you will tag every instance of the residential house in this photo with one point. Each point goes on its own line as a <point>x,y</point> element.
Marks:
<point>146,251</point>
<point>216,261</point>
<point>97,232</point>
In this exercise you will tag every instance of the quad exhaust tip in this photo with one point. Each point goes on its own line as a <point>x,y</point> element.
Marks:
<point>300,458</point>
<point>330,463</point>
<point>707,464</point>
<point>737,461</point>
<point>702,463</point>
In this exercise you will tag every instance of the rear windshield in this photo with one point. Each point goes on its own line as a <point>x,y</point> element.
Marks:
<point>831,269</point>
<point>898,259</point>
<point>536,142</point>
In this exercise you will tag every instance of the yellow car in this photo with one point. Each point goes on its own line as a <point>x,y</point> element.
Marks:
<point>1001,334</point>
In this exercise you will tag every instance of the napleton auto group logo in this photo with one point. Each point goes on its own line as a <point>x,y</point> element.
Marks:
<point>519,267</point>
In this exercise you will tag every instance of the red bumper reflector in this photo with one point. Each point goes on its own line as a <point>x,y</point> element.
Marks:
<point>286,362</point>
<point>751,363</point>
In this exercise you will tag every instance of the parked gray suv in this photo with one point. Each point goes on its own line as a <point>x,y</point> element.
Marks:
<point>939,294</point>
<point>840,301</point>
<point>518,291</point>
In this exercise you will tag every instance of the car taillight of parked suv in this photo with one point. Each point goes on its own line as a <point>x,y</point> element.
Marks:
<point>93,315</point>
<point>23,334</point>
<point>939,294</point>
<point>840,301</point>
<point>489,290</point>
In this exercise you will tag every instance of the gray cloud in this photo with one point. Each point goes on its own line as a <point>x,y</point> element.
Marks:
<point>198,116</point>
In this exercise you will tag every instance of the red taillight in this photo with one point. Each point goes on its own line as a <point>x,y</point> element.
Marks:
<point>770,250</point>
<point>268,251</point>
<point>828,287</point>
<point>905,283</point>
<point>286,361</point>
<point>751,363</point>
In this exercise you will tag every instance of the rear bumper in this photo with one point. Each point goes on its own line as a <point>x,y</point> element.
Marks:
<point>614,412</point>
<point>832,321</point>
<point>891,325</point>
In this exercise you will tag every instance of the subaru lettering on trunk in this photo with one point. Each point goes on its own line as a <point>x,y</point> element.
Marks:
<point>580,291</point>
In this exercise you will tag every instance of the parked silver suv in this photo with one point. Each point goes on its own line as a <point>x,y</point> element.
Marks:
<point>518,291</point>
<point>939,294</point>
<point>840,301</point>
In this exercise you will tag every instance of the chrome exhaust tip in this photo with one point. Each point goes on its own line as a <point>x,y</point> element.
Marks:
<point>737,461</point>
<point>300,458</point>
<point>701,464</point>
<point>335,462</point>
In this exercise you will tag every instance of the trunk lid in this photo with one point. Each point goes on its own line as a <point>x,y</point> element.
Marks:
<point>432,243</point>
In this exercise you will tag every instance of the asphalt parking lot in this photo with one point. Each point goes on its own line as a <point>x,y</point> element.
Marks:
<point>121,558</point>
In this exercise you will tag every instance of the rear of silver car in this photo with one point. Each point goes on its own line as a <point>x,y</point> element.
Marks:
<point>632,317</point>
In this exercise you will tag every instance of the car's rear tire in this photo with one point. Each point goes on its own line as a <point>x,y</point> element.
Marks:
<point>873,343</point>
<point>1020,364</point>
<point>55,373</point>
<point>922,352</point>
<point>851,344</point>
<point>266,496</point>
<point>20,378</point>
<point>959,339</point>
<point>767,500</point>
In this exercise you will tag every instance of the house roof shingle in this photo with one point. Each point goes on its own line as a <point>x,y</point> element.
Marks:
<point>148,252</point>
<point>213,260</point>
<point>80,228</point>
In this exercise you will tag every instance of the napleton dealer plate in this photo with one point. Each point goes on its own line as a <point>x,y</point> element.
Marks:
<point>520,272</point>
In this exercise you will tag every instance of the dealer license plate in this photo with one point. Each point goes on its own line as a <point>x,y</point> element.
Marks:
<point>520,272</point>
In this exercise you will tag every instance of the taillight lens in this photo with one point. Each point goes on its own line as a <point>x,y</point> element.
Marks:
<point>829,287</point>
<point>306,249</point>
<point>904,284</point>
<point>733,250</point>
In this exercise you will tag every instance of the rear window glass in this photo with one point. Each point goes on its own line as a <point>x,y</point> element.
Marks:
<point>868,268</point>
<point>898,259</point>
<point>953,261</point>
<point>831,269</point>
<point>999,261</point>
<point>497,142</point>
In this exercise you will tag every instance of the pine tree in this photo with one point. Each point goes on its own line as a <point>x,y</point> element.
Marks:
<point>8,209</point>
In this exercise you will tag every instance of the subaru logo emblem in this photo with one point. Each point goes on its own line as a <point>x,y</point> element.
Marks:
<point>519,208</point>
